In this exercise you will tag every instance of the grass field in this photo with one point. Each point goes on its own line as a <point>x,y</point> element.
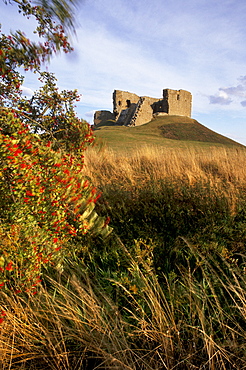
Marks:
<point>168,193</point>
<point>167,131</point>
<point>167,289</point>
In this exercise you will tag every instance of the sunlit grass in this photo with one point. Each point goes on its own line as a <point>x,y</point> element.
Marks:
<point>150,162</point>
<point>194,320</point>
<point>177,132</point>
<point>168,291</point>
<point>222,168</point>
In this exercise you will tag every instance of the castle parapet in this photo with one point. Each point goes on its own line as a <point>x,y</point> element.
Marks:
<point>132,110</point>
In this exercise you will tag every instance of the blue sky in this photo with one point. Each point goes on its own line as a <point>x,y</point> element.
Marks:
<point>144,46</point>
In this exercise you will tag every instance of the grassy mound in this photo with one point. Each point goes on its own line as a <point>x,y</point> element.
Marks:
<point>184,128</point>
<point>166,131</point>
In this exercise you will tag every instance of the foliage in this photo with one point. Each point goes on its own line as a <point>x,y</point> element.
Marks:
<point>46,200</point>
<point>18,51</point>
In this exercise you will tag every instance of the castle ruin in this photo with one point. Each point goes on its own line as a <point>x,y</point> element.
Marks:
<point>133,110</point>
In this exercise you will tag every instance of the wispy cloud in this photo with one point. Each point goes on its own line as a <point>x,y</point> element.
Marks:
<point>144,47</point>
<point>227,95</point>
<point>221,98</point>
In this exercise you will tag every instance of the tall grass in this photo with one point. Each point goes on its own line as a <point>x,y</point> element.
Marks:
<point>215,164</point>
<point>192,321</point>
<point>167,194</point>
<point>166,291</point>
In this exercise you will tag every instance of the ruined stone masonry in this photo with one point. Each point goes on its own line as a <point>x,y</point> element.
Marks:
<point>133,110</point>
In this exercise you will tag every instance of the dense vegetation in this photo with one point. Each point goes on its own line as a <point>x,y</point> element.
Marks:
<point>165,289</point>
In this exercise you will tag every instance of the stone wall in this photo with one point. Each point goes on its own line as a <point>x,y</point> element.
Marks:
<point>177,102</point>
<point>132,110</point>
<point>145,111</point>
<point>101,116</point>
<point>123,100</point>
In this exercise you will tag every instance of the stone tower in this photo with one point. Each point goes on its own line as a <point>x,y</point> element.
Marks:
<point>177,102</point>
<point>133,110</point>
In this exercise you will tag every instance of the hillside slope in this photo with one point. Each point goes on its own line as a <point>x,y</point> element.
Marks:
<point>185,128</point>
<point>165,131</point>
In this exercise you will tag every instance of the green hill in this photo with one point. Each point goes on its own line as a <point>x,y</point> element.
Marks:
<point>168,131</point>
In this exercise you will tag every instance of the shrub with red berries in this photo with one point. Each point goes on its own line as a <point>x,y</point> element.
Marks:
<point>45,199</point>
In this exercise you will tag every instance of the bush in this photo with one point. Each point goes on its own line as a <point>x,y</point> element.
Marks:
<point>45,198</point>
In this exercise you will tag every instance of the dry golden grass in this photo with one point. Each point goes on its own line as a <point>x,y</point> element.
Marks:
<point>195,319</point>
<point>151,163</point>
<point>183,324</point>
<point>221,169</point>
<point>70,326</point>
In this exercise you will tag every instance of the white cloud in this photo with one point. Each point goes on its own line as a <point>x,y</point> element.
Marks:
<point>221,98</point>
<point>227,95</point>
<point>238,90</point>
<point>26,91</point>
<point>143,47</point>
